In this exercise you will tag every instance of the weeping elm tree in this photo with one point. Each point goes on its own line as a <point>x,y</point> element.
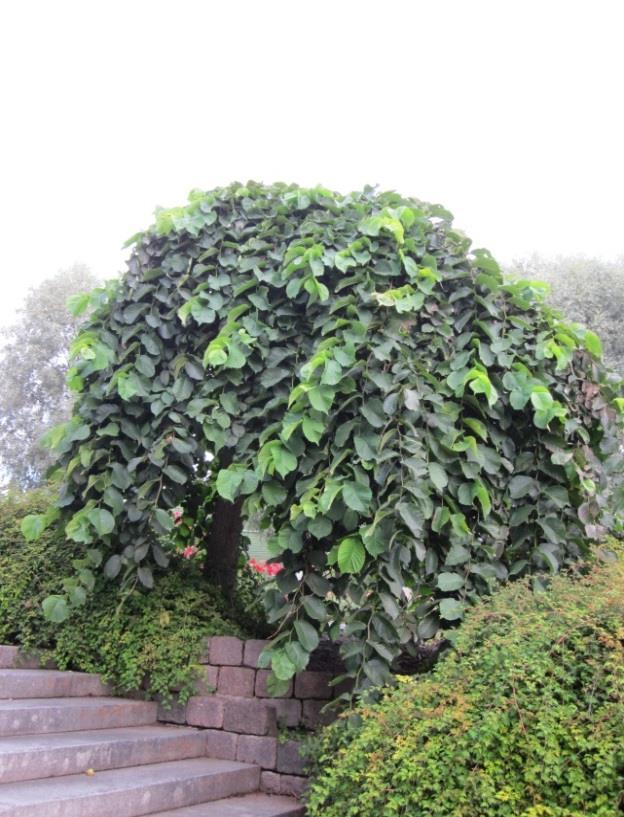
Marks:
<point>412,428</point>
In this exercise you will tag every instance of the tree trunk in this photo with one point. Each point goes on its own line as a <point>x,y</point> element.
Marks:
<point>224,538</point>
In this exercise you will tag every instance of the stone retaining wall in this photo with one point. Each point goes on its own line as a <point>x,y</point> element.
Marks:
<point>242,720</point>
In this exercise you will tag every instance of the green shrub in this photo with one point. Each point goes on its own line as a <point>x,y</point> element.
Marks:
<point>525,718</point>
<point>149,640</point>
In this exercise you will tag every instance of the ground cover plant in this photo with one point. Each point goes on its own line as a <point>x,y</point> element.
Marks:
<point>524,718</point>
<point>348,370</point>
<point>137,641</point>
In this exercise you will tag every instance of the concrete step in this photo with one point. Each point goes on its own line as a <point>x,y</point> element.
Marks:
<point>36,716</point>
<point>129,792</point>
<point>40,683</point>
<point>32,757</point>
<point>249,805</point>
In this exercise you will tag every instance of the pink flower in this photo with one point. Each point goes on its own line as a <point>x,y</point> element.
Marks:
<point>265,568</point>
<point>189,552</point>
<point>177,513</point>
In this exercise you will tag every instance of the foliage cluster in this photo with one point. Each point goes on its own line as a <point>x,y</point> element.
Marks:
<point>525,718</point>
<point>34,362</point>
<point>149,641</point>
<point>413,428</point>
<point>588,290</point>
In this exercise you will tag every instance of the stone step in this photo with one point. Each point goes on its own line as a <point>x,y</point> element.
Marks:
<point>38,683</point>
<point>129,792</point>
<point>36,716</point>
<point>249,805</point>
<point>32,757</point>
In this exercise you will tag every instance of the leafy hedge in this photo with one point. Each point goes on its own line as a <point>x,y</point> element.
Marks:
<point>148,641</point>
<point>524,719</point>
<point>367,383</point>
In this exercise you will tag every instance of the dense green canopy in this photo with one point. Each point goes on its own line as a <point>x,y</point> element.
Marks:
<point>411,427</point>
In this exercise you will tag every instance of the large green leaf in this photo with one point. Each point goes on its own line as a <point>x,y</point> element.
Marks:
<point>56,609</point>
<point>102,520</point>
<point>438,476</point>
<point>351,555</point>
<point>357,496</point>
<point>307,635</point>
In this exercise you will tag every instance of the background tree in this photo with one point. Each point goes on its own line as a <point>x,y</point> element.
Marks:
<point>34,362</point>
<point>587,290</point>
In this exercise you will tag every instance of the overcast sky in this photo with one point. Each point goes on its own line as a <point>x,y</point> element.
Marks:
<point>509,113</point>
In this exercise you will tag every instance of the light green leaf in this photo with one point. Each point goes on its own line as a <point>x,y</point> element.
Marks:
<point>77,304</point>
<point>321,398</point>
<point>284,460</point>
<point>483,496</point>
<point>55,609</point>
<point>229,481</point>
<point>102,520</point>
<point>451,609</point>
<point>312,429</point>
<point>33,526</point>
<point>592,343</point>
<point>283,668</point>
<point>351,555</point>
<point>449,582</point>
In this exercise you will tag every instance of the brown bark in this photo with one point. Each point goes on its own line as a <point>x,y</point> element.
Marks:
<point>224,543</point>
<point>224,538</point>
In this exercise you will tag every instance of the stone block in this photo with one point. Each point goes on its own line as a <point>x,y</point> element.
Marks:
<point>289,760</point>
<point>261,685</point>
<point>292,785</point>
<point>262,751</point>
<point>346,685</point>
<point>313,685</point>
<point>253,648</point>
<point>174,712</point>
<point>287,710</point>
<point>207,680</point>
<point>313,716</point>
<point>204,657</point>
<point>270,782</point>
<point>205,711</point>
<point>222,745</point>
<point>8,656</point>
<point>237,681</point>
<point>225,651</point>
<point>248,716</point>
<point>287,785</point>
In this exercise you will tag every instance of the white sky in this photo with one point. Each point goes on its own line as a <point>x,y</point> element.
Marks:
<point>509,113</point>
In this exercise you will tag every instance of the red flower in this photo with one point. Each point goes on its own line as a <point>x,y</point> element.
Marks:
<point>189,552</point>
